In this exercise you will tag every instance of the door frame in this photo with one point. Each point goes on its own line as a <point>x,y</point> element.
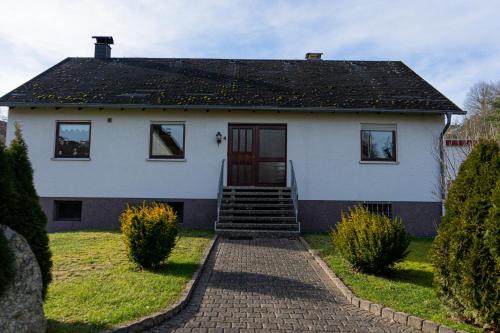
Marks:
<point>255,157</point>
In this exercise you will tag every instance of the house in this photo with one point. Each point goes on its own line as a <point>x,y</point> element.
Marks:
<point>247,143</point>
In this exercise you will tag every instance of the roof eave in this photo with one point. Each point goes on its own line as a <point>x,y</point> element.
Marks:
<point>230,107</point>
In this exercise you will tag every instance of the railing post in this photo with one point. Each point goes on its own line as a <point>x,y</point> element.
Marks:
<point>295,193</point>
<point>220,191</point>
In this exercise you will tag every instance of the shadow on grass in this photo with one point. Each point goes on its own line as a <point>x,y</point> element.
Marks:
<point>55,326</point>
<point>179,269</point>
<point>413,276</point>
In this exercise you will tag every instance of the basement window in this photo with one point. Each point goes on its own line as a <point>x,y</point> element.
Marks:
<point>380,208</point>
<point>67,210</point>
<point>378,142</point>
<point>167,141</point>
<point>178,208</point>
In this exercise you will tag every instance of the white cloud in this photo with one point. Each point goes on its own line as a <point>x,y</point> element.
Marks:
<point>450,43</point>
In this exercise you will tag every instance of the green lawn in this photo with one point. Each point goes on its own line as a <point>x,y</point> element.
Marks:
<point>408,288</point>
<point>95,287</point>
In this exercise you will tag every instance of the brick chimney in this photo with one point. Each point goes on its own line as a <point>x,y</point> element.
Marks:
<point>102,46</point>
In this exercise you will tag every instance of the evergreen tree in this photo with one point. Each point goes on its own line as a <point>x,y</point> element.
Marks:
<point>28,217</point>
<point>466,264</point>
<point>6,189</point>
<point>6,196</point>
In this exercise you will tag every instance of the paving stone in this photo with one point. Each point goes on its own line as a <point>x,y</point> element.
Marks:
<point>388,313</point>
<point>365,305</point>
<point>400,317</point>
<point>429,327</point>
<point>376,309</point>
<point>445,329</point>
<point>415,322</point>
<point>271,285</point>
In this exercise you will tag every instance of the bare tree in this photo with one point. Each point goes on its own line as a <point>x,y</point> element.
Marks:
<point>481,114</point>
<point>481,96</point>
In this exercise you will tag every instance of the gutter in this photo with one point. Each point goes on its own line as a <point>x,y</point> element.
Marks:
<point>227,107</point>
<point>441,158</point>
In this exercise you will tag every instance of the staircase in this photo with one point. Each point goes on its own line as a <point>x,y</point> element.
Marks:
<point>263,211</point>
<point>257,210</point>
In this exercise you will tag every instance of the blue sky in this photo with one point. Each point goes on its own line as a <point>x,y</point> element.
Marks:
<point>452,44</point>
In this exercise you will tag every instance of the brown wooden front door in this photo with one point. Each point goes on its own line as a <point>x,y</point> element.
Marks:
<point>257,155</point>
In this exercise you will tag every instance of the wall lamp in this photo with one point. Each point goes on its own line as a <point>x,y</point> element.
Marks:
<point>219,138</point>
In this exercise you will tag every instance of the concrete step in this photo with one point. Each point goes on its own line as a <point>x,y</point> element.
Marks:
<point>270,219</point>
<point>256,188</point>
<point>257,211</point>
<point>267,194</point>
<point>257,226</point>
<point>257,205</point>
<point>250,234</point>
<point>256,199</point>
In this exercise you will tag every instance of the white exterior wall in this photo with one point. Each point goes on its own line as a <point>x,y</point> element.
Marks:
<point>325,149</point>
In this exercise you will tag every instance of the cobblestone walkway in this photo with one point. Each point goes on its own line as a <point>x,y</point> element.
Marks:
<point>269,285</point>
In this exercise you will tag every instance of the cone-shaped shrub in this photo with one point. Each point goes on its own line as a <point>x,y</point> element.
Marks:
<point>27,216</point>
<point>149,233</point>
<point>6,189</point>
<point>465,251</point>
<point>6,195</point>
<point>370,242</point>
<point>6,264</point>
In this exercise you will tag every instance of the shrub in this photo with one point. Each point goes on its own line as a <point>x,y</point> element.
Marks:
<point>6,189</point>
<point>6,263</point>
<point>25,213</point>
<point>465,251</point>
<point>149,233</point>
<point>371,243</point>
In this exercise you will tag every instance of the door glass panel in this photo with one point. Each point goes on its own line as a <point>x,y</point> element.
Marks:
<point>272,143</point>
<point>242,141</point>
<point>249,141</point>
<point>235,140</point>
<point>272,172</point>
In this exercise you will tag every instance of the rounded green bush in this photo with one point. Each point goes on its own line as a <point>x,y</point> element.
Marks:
<point>6,263</point>
<point>465,253</point>
<point>371,243</point>
<point>149,233</point>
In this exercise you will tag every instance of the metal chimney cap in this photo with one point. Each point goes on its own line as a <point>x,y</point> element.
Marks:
<point>103,39</point>
<point>313,56</point>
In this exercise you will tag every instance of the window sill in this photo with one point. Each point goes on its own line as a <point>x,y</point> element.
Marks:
<point>379,162</point>
<point>70,159</point>
<point>166,159</point>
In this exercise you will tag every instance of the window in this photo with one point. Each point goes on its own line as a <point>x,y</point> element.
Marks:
<point>67,210</point>
<point>178,208</point>
<point>72,140</point>
<point>381,208</point>
<point>166,141</point>
<point>378,142</point>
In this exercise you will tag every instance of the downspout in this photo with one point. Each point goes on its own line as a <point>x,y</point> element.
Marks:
<point>442,162</point>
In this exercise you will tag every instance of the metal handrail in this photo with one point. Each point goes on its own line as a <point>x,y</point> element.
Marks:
<point>295,193</point>
<point>220,189</point>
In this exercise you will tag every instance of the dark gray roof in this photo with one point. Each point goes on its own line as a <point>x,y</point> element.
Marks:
<point>321,85</point>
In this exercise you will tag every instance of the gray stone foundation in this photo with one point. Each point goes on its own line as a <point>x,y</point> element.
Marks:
<point>420,218</point>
